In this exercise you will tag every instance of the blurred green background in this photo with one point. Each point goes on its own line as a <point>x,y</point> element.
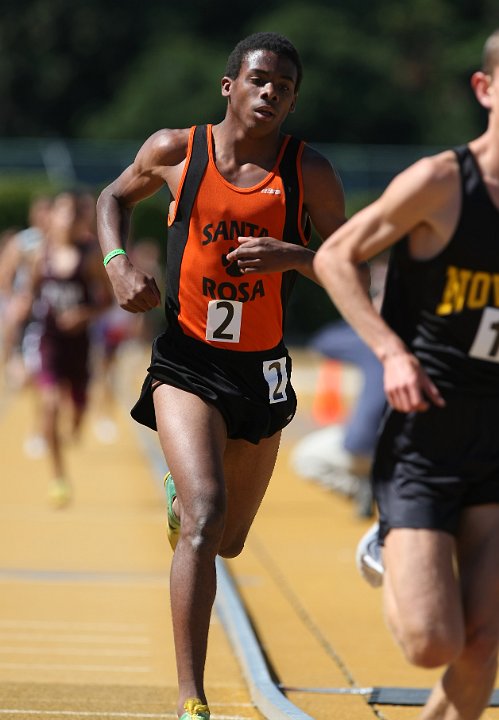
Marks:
<point>83,83</point>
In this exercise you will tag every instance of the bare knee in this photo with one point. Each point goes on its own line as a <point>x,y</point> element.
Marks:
<point>202,525</point>
<point>232,548</point>
<point>431,652</point>
<point>430,647</point>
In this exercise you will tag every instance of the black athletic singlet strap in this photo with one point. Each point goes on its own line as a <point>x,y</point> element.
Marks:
<point>195,171</point>
<point>179,232</point>
<point>289,175</point>
<point>471,176</point>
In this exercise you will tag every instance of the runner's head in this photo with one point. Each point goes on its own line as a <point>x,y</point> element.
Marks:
<point>278,44</point>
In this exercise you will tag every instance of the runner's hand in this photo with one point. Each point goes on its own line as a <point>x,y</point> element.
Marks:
<point>134,290</point>
<point>407,386</point>
<point>264,255</point>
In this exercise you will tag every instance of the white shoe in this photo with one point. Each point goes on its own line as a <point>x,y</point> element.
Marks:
<point>35,446</point>
<point>321,456</point>
<point>106,431</point>
<point>368,557</point>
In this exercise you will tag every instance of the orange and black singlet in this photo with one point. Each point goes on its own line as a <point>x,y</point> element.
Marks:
<point>207,297</point>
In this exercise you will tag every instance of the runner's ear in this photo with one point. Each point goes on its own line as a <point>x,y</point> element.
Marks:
<point>226,85</point>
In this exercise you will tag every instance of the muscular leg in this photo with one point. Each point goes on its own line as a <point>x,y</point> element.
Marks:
<point>465,689</point>
<point>193,438</point>
<point>220,485</point>
<point>439,619</point>
<point>422,597</point>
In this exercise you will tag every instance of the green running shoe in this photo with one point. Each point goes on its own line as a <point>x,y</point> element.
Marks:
<point>173,520</point>
<point>195,709</point>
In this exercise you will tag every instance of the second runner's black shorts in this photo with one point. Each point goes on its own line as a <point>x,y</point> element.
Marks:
<point>430,466</point>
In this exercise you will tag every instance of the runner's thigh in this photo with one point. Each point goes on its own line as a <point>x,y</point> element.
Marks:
<point>421,589</point>
<point>193,436</point>
<point>478,552</point>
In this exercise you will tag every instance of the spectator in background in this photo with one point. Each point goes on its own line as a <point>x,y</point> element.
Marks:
<point>20,331</point>
<point>6,236</point>
<point>86,223</point>
<point>16,266</point>
<point>70,290</point>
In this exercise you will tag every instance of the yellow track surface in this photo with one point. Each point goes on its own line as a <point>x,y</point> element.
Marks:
<point>84,599</point>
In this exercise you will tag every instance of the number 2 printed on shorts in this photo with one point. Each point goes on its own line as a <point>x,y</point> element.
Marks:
<point>276,375</point>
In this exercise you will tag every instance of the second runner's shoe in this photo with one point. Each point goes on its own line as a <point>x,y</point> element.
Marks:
<point>368,557</point>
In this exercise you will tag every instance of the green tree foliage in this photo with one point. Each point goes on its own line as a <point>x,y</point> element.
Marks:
<point>375,72</point>
<point>61,60</point>
<point>174,84</point>
<point>384,72</point>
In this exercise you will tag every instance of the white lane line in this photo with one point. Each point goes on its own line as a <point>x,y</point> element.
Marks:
<point>75,577</point>
<point>231,704</point>
<point>27,650</point>
<point>85,713</point>
<point>72,625</point>
<point>78,639</point>
<point>79,668</point>
<point>264,692</point>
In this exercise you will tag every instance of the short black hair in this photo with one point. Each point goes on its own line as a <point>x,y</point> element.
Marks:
<point>274,42</point>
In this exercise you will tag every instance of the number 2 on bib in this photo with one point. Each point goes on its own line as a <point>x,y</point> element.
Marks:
<point>276,375</point>
<point>223,322</point>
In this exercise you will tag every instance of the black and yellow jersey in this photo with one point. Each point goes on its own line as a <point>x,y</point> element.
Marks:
<point>447,308</point>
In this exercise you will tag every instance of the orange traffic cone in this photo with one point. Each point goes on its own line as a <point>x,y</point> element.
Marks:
<point>328,405</point>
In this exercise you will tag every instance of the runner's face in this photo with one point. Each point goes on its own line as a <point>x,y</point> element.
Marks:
<point>264,92</point>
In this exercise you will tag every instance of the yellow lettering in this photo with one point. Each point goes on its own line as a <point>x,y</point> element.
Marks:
<point>455,291</point>
<point>479,290</point>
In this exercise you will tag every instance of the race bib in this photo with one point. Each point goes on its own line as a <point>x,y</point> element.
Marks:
<point>486,343</point>
<point>223,322</point>
<point>276,375</point>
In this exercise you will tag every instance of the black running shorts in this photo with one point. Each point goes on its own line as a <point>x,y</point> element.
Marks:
<point>252,390</point>
<point>429,466</point>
